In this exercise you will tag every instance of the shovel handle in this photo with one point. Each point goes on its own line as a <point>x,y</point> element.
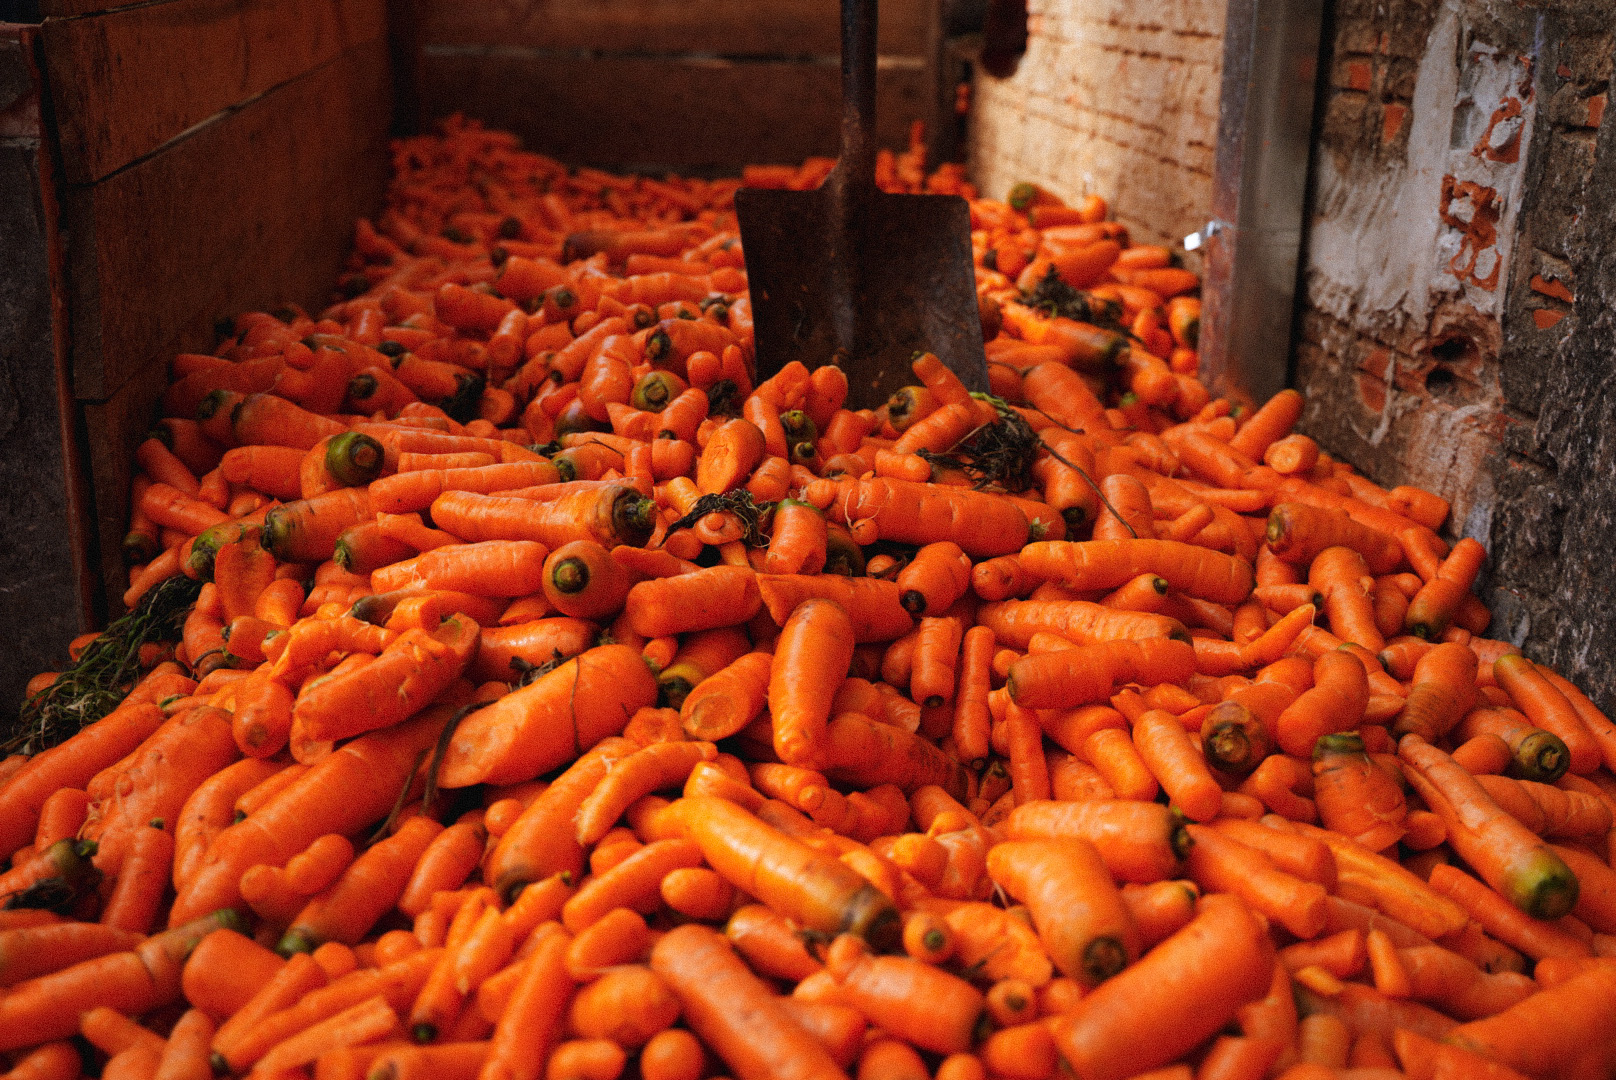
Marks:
<point>858,92</point>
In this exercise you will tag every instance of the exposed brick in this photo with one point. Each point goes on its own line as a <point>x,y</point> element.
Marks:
<point>1546,318</point>
<point>1391,125</point>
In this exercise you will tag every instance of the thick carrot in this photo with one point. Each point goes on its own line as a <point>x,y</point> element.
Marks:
<point>225,971</point>
<point>1167,752</point>
<point>813,889</point>
<point>1335,703</point>
<point>1076,907</point>
<point>1138,841</point>
<point>1434,606</point>
<point>913,1000</point>
<point>873,604</point>
<point>27,952</point>
<point>134,982</point>
<point>1355,796</point>
<point>610,515</point>
<point>1218,862</point>
<point>916,513</point>
<point>701,600</point>
<point>1548,1032</point>
<point>551,720</point>
<point>307,530</point>
<point>411,671</point>
<point>1087,673</point>
<point>734,1012</point>
<point>1443,691</point>
<point>342,793</point>
<point>1176,996</point>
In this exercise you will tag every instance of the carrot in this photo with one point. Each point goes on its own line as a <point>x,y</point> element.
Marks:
<point>1549,1031</point>
<point>27,952</point>
<point>542,841</point>
<point>1014,622</point>
<point>1107,564</point>
<point>1297,532</point>
<point>1548,810</point>
<point>1074,904</point>
<point>1444,690</point>
<point>1217,861</point>
<point>48,1007</point>
<point>1354,795</point>
<point>1335,703</point>
<point>701,600</point>
<point>345,791</point>
<point>1166,750</point>
<point>734,1012</point>
<point>872,604</point>
<point>1137,841</point>
<point>1342,578</point>
<point>1425,1059</point>
<point>1508,857</point>
<point>551,720</point>
<point>1217,963</point>
<point>1597,723</point>
<point>627,1005</point>
<point>610,514</point>
<point>1434,606</point>
<point>410,672</point>
<point>142,879</point>
<point>1535,754</point>
<point>660,765</point>
<point>1548,708</point>
<point>368,889</point>
<point>913,513</point>
<point>811,888</point>
<point>1086,673</point>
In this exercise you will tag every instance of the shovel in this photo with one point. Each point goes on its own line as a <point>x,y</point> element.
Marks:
<point>854,276</point>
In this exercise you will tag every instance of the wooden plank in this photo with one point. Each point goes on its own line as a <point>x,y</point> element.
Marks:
<point>125,82</point>
<point>778,28</point>
<point>645,113</point>
<point>43,591</point>
<point>113,429</point>
<point>249,211</point>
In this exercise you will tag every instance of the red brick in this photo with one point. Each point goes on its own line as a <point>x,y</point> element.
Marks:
<point>1372,392</point>
<point>1552,287</point>
<point>1596,110</point>
<point>1358,74</point>
<point>1545,318</point>
<point>1378,363</point>
<point>1392,121</point>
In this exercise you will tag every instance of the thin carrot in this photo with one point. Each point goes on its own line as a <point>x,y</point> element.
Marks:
<point>1218,862</point>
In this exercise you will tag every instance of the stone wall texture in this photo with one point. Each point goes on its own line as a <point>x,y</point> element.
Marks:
<point>1456,320</point>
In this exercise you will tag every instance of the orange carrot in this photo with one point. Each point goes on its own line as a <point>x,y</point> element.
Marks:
<point>1074,904</point>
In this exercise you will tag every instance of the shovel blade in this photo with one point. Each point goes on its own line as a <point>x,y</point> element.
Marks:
<point>896,281</point>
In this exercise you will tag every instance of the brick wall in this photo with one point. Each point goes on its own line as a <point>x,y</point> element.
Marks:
<point>1111,97</point>
<point>1456,326</point>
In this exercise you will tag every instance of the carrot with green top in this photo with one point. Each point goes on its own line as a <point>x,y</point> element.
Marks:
<point>611,514</point>
<point>307,530</point>
<point>1512,860</point>
<point>550,721</point>
<point>1535,754</point>
<point>410,672</point>
<point>1335,703</point>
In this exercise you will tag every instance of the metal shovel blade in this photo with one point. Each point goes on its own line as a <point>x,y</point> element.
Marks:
<point>855,276</point>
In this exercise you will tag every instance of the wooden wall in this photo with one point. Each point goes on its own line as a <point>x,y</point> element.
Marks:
<point>214,156</point>
<point>689,85</point>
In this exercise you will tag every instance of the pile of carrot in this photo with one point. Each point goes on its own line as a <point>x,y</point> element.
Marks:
<point>563,703</point>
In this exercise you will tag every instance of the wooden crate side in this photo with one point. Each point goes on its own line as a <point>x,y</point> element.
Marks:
<point>125,82</point>
<point>653,112</point>
<point>251,210</point>
<point>777,28</point>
